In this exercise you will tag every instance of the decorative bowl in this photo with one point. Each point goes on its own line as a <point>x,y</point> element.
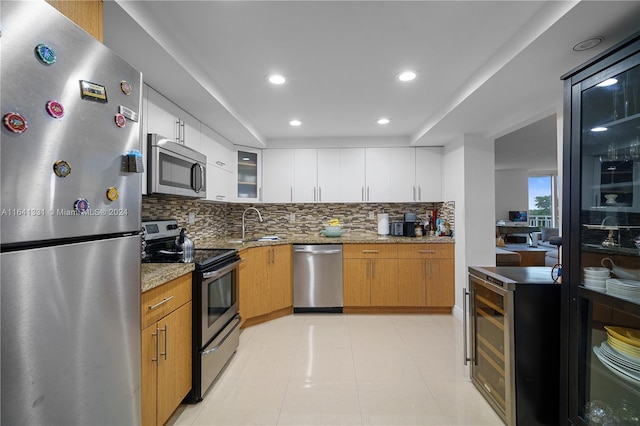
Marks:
<point>332,233</point>
<point>333,228</point>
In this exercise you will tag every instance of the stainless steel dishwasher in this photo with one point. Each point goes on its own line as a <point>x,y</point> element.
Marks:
<point>317,278</point>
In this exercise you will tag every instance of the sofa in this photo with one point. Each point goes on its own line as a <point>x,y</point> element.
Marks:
<point>549,240</point>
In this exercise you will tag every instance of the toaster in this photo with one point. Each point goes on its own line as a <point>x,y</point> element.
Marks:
<point>396,229</point>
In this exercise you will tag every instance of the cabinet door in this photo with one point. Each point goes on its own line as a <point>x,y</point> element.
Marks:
<point>402,175</point>
<point>254,287</point>
<point>429,173</point>
<point>411,282</point>
<point>174,366</point>
<point>219,183</point>
<point>189,130</point>
<point>149,374</point>
<point>219,152</point>
<point>384,282</point>
<point>329,184</point>
<point>378,175</point>
<point>305,189</point>
<point>280,282</point>
<point>356,282</point>
<point>352,175</point>
<point>277,175</point>
<point>161,115</point>
<point>248,175</point>
<point>440,282</point>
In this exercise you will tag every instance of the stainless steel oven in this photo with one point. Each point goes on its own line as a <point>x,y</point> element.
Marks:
<point>216,322</point>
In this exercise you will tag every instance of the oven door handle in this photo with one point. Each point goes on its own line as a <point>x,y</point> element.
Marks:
<point>220,272</point>
<point>215,348</point>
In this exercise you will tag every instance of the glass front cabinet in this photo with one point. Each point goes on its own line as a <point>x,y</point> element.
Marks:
<point>601,239</point>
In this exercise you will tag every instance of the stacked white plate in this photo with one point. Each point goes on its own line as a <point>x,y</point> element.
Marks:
<point>624,289</point>
<point>621,353</point>
<point>595,277</point>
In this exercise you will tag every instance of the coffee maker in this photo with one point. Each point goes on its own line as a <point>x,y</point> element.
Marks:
<point>410,224</point>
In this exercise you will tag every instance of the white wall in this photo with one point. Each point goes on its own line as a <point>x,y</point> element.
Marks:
<point>468,180</point>
<point>511,192</point>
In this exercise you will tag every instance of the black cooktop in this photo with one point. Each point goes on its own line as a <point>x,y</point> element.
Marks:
<point>206,258</point>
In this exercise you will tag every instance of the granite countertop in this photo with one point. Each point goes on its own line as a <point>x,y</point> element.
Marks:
<point>155,274</point>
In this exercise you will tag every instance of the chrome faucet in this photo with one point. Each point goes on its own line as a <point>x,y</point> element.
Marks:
<point>243,215</point>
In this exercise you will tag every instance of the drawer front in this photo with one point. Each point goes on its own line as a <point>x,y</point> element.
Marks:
<point>425,251</point>
<point>160,301</point>
<point>369,251</point>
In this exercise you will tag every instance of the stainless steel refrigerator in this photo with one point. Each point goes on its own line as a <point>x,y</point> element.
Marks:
<point>70,217</point>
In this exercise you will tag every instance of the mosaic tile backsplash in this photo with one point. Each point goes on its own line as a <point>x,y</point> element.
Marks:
<point>214,220</point>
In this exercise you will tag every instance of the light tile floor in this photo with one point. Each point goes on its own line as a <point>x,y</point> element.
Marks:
<point>326,369</point>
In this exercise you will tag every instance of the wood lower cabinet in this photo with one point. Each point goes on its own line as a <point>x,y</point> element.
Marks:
<point>429,267</point>
<point>419,277</point>
<point>266,290</point>
<point>166,349</point>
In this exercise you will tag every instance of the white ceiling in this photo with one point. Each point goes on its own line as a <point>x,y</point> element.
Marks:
<point>484,67</point>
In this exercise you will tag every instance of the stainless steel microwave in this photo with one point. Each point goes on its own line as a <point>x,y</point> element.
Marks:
<point>175,169</point>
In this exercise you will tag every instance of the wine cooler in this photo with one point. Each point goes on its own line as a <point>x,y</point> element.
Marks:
<point>514,342</point>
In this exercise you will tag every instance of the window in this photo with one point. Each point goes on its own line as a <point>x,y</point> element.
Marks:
<point>543,201</point>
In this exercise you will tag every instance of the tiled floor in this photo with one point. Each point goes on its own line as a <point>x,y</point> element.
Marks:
<point>325,369</point>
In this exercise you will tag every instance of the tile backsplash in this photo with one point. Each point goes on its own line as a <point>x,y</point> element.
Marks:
<point>289,220</point>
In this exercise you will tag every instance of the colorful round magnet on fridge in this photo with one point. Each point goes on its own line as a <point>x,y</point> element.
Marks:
<point>125,87</point>
<point>121,120</point>
<point>15,122</point>
<point>55,109</point>
<point>61,168</point>
<point>112,193</point>
<point>46,54</point>
<point>81,205</point>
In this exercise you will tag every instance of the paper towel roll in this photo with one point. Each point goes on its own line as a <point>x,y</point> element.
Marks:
<point>383,224</point>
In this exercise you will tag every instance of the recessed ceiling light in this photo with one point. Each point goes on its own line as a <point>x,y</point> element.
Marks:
<point>599,129</point>
<point>295,123</point>
<point>607,82</point>
<point>588,44</point>
<point>407,76</point>
<point>276,79</point>
<point>383,121</point>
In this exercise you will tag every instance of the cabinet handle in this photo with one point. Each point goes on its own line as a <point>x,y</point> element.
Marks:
<point>315,195</point>
<point>220,197</point>
<point>419,193</point>
<point>423,268</point>
<point>157,334</point>
<point>373,268</point>
<point>220,163</point>
<point>177,131</point>
<point>370,251</point>
<point>363,194</point>
<point>367,193</point>
<point>182,131</point>
<point>166,348</point>
<point>291,193</point>
<point>320,193</point>
<point>426,251</point>
<point>414,193</point>
<point>165,300</point>
<point>429,275</point>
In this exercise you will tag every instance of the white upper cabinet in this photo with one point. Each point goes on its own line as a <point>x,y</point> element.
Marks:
<point>340,175</point>
<point>248,175</point>
<point>402,176</point>
<point>378,175</point>
<point>220,165</point>
<point>278,175</point>
<point>428,162</point>
<point>305,176</point>
<point>169,120</point>
<point>218,150</point>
